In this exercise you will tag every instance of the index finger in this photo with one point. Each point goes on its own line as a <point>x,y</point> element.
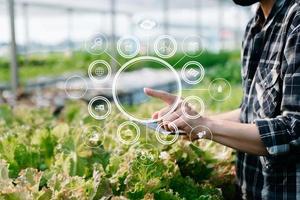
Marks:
<point>162,95</point>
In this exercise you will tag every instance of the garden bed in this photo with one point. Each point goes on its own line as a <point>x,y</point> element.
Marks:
<point>46,157</point>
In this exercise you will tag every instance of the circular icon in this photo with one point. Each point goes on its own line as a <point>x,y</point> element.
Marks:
<point>192,72</point>
<point>99,107</point>
<point>147,24</point>
<point>128,133</point>
<point>116,86</point>
<point>192,46</point>
<point>219,89</point>
<point>128,46</point>
<point>165,46</point>
<point>75,87</point>
<point>93,136</point>
<point>146,154</point>
<point>96,44</point>
<point>99,71</point>
<point>198,104</point>
<point>165,138</point>
<point>205,132</point>
<point>220,150</point>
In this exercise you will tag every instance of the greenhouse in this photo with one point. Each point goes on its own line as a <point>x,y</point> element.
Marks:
<point>149,99</point>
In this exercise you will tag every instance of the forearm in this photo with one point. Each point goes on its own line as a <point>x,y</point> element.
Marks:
<point>243,137</point>
<point>233,115</point>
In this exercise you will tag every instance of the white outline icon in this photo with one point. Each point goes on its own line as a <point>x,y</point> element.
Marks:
<point>207,144</point>
<point>148,154</point>
<point>121,42</point>
<point>147,24</point>
<point>172,41</point>
<point>128,123</point>
<point>194,73</point>
<point>202,107</point>
<point>97,44</point>
<point>219,89</point>
<point>96,136</point>
<point>93,64</point>
<point>202,133</point>
<point>187,47</point>
<point>167,142</point>
<point>73,93</point>
<point>90,109</point>
<point>145,58</point>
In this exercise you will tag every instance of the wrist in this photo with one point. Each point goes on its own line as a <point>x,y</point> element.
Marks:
<point>207,122</point>
<point>213,126</point>
<point>203,129</point>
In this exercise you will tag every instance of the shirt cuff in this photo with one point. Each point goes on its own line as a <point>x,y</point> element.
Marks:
<point>273,134</point>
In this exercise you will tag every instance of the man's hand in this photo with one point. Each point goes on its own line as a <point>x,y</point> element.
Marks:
<point>244,137</point>
<point>179,117</point>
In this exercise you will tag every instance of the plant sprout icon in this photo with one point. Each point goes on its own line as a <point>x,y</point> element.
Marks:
<point>165,47</point>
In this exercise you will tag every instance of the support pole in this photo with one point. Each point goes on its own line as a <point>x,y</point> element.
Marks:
<point>113,34</point>
<point>132,25</point>
<point>198,14</point>
<point>69,29</point>
<point>26,31</point>
<point>221,16</point>
<point>13,49</point>
<point>237,30</point>
<point>166,16</point>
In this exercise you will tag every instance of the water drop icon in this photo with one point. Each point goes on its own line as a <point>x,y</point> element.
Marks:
<point>220,89</point>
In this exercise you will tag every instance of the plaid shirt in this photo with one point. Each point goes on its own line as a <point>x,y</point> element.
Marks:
<point>271,86</point>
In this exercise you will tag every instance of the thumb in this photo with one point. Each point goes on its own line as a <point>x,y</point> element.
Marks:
<point>164,96</point>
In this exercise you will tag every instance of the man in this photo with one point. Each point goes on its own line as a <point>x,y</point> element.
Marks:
<point>265,130</point>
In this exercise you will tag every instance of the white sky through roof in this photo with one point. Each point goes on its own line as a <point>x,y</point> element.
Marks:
<point>49,25</point>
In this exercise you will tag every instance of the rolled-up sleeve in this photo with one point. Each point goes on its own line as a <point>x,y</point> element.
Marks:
<point>281,135</point>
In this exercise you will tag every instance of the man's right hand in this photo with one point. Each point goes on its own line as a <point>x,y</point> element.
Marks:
<point>168,98</point>
<point>178,117</point>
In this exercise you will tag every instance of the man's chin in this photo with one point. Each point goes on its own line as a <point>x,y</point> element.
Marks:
<point>245,2</point>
